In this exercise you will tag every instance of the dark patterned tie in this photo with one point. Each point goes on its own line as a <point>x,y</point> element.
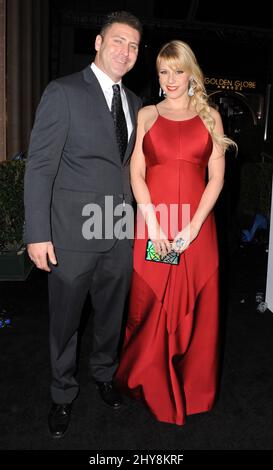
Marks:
<point>119,121</point>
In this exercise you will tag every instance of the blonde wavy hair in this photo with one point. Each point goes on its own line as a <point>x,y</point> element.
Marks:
<point>178,54</point>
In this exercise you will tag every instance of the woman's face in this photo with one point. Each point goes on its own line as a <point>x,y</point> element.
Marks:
<point>174,82</point>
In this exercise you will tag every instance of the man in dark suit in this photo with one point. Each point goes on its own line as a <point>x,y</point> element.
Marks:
<point>79,153</point>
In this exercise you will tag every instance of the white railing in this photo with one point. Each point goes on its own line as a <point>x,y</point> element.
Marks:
<point>269,279</point>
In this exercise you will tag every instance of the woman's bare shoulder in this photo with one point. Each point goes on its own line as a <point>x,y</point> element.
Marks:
<point>147,112</point>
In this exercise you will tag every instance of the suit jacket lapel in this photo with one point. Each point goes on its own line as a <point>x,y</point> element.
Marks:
<point>97,94</point>
<point>133,114</point>
<point>95,90</point>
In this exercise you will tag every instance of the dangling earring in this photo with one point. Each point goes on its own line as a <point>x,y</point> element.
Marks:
<point>191,89</point>
<point>161,93</point>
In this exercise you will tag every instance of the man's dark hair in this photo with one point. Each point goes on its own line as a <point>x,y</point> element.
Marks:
<point>123,17</point>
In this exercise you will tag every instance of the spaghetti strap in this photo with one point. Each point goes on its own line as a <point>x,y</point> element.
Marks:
<point>157,110</point>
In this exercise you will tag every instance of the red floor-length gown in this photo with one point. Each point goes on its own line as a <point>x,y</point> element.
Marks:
<point>169,357</point>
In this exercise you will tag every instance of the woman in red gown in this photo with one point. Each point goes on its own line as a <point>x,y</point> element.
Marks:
<point>170,353</point>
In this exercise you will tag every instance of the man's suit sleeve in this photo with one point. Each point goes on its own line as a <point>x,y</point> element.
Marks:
<point>47,141</point>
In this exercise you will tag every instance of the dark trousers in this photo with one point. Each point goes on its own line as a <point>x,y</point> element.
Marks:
<point>107,277</point>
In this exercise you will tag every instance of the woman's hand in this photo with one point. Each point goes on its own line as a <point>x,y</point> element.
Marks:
<point>184,238</point>
<point>160,241</point>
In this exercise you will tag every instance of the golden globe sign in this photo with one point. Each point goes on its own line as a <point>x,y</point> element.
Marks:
<point>229,84</point>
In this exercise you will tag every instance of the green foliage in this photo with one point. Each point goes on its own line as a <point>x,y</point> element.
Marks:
<point>11,204</point>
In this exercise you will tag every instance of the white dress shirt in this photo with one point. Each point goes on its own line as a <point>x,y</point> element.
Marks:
<point>106,84</point>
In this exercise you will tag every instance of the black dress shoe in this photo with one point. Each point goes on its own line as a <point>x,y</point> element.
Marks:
<point>109,394</point>
<point>58,419</point>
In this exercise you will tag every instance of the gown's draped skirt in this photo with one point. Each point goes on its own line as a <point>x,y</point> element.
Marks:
<point>170,352</point>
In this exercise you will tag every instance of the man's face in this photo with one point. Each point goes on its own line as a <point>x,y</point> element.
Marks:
<point>117,50</point>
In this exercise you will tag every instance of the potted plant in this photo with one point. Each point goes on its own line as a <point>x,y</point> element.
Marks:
<point>14,261</point>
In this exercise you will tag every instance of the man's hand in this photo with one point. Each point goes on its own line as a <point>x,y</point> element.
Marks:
<point>40,253</point>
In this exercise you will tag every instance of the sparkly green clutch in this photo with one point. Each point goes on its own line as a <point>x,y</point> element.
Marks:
<point>151,255</point>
